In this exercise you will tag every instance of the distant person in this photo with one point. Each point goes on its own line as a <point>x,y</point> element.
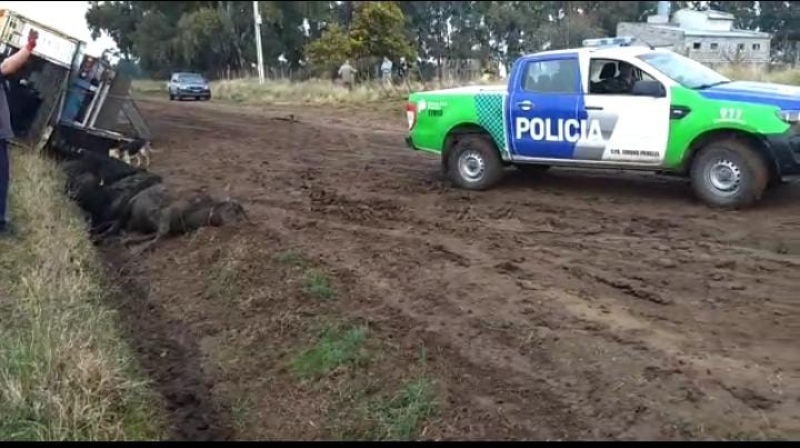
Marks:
<point>386,71</point>
<point>347,73</point>
<point>402,70</point>
<point>8,67</point>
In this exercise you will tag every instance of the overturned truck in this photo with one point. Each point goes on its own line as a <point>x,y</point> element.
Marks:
<point>64,97</point>
<point>76,108</point>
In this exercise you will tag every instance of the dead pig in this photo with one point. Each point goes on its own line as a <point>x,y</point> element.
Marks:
<point>203,211</point>
<point>152,211</point>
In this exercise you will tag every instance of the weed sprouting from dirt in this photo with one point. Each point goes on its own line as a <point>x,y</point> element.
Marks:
<point>363,406</point>
<point>401,416</point>
<point>224,282</point>
<point>65,372</point>
<point>240,411</point>
<point>335,347</point>
<point>227,273</point>
<point>370,408</point>
<point>318,285</point>
<point>289,257</point>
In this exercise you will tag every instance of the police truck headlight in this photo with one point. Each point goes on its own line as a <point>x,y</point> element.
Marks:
<point>789,116</point>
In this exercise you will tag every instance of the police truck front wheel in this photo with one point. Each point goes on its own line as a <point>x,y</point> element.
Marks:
<point>729,174</point>
<point>474,163</point>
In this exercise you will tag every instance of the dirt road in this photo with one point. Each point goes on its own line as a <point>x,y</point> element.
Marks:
<point>571,305</point>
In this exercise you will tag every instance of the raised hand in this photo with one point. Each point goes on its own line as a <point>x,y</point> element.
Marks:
<point>32,36</point>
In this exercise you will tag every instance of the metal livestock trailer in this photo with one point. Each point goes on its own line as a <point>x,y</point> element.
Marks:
<point>64,98</point>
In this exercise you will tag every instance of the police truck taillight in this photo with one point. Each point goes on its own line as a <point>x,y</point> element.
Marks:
<point>411,114</point>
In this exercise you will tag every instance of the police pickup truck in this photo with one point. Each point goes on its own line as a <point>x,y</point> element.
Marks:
<point>612,104</point>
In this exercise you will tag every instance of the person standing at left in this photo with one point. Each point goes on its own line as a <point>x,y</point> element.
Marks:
<point>8,67</point>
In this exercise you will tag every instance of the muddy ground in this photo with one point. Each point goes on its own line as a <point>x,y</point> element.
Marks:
<point>571,305</point>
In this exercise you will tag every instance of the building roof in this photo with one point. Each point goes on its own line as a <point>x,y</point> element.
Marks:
<point>633,50</point>
<point>741,34</point>
<point>716,15</point>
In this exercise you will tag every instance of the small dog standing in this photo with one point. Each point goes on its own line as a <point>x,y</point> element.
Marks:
<point>137,148</point>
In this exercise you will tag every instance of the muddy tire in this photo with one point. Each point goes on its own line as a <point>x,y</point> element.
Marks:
<point>474,163</point>
<point>729,174</point>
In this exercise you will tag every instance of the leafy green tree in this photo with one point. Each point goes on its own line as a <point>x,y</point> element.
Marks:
<point>517,25</point>
<point>204,41</point>
<point>153,42</point>
<point>163,35</point>
<point>328,52</point>
<point>118,19</point>
<point>470,37</point>
<point>378,30</point>
<point>607,14</point>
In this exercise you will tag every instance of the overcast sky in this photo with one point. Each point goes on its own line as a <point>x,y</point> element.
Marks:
<point>67,17</point>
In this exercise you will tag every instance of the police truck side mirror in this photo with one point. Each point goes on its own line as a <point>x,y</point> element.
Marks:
<point>649,88</point>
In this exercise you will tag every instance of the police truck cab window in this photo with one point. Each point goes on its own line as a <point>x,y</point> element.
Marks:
<point>554,76</point>
<point>687,72</point>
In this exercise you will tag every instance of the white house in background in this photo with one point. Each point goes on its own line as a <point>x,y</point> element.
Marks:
<point>706,36</point>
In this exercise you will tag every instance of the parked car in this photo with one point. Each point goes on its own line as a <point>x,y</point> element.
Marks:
<point>188,85</point>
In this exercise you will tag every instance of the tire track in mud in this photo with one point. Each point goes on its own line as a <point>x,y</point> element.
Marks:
<point>634,325</point>
<point>169,355</point>
<point>578,304</point>
<point>616,325</point>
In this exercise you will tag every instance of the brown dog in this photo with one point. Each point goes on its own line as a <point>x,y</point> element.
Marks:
<point>138,149</point>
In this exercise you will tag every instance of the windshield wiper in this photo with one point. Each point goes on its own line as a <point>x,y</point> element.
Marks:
<point>711,84</point>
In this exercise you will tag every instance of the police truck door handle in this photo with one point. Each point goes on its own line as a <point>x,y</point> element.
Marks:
<point>594,108</point>
<point>525,105</point>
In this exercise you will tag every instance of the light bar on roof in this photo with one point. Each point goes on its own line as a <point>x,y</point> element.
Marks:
<point>621,41</point>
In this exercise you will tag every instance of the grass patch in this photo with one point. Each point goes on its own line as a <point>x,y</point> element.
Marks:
<point>225,280</point>
<point>319,91</point>
<point>401,416</point>
<point>65,372</point>
<point>289,257</point>
<point>240,412</point>
<point>753,73</point>
<point>315,282</point>
<point>370,409</point>
<point>336,347</point>
<point>342,379</point>
<point>318,285</point>
<point>370,403</point>
<point>315,91</point>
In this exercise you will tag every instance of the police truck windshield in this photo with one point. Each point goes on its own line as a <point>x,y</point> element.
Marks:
<point>687,72</point>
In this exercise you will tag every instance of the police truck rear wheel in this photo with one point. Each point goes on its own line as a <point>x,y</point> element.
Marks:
<point>729,174</point>
<point>474,163</point>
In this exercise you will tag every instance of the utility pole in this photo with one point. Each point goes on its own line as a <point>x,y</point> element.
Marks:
<point>259,50</point>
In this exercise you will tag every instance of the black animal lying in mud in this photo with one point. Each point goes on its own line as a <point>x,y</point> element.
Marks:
<point>118,197</point>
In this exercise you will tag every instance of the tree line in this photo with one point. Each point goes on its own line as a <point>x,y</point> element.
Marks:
<point>218,37</point>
